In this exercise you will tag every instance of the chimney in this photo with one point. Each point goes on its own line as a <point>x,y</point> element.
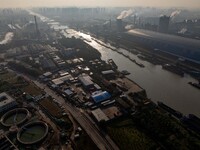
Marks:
<point>36,27</point>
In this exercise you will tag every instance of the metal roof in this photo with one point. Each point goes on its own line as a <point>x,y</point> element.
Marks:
<point>102,96</point>
<point>61,80</point>
<point>108,72</point>
<point>165,37</point>
<point>99,115</point>
<point>86,80</point>
<point>68,92</point>
<point>5,99</point>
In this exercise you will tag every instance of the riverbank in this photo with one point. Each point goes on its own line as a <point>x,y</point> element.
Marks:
<point>154,56</point>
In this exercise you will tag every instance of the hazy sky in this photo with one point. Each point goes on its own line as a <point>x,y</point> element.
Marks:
<point>62,3</point>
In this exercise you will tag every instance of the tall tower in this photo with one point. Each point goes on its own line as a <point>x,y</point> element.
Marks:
<point>119,24</point>
<point>164,24</point>
<point>36,27</point>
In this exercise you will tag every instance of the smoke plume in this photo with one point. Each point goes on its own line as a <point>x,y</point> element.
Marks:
<point>175,13</point>
<point>183,31</point>
<point>129,27</point>
<point>107,22</point>
<point>125,14</point>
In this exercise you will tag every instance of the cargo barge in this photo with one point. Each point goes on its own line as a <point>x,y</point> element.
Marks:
<point>196,85</point>
<point>112,63</point>
<point>125,72</point>
<point>170,110</point>
<point>133,60</point>
<point>173,69</point>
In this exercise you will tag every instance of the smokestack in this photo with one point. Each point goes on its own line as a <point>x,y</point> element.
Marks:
<point>36,27</point>
<point>134,20</point>
<point>119,24</point>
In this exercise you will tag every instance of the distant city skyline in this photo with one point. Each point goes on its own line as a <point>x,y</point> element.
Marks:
<point>100,3</point>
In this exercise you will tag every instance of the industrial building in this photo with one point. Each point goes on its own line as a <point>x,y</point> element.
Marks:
<point>164,24</point>
<point>68,93</point>
<point>86,81</point>
<point>68,52</point>
<point>61,80</point>
<point>99,115</point>
<point>47,64</point>
<point>47,74</point>
<point>176,45</point>
<point>108,74</point>
<point>63,73</point>
<point>6,102</point>
<point>98,97</point>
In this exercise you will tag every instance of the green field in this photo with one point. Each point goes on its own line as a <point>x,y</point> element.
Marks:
<point>128,137</point>
<point>151,129</point>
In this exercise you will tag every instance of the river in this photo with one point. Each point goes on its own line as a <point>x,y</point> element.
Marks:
<point>161,85</point>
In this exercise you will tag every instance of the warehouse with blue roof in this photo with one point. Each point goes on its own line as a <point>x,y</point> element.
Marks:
<point>101,96</point>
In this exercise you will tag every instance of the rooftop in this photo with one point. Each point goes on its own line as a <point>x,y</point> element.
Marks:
<point>86,80</point>
<point>107,72</point>
<point>68,92</point>
<point>102,96</point>
<point>61,80</point>
<point>165,37</point>
<point>47,74</point>
<point>176,45</point>
<point>5,99</point>
<point>63,73</point>
<point>99,115</point>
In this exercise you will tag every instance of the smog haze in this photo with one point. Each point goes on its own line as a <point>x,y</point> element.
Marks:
<point>102,3</point>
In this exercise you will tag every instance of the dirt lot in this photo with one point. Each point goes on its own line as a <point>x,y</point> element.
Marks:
<point>32,90</point>
<point>51,107</point>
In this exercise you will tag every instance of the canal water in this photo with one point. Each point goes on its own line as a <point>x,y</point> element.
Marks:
<point>161,85</point>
